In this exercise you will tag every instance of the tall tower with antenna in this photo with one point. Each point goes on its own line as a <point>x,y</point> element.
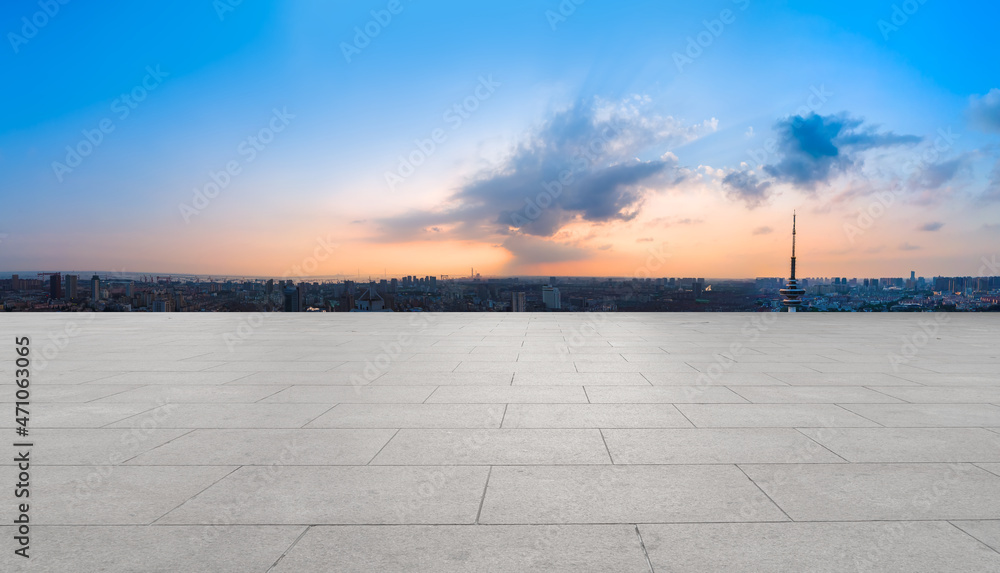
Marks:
<point>792,291</point>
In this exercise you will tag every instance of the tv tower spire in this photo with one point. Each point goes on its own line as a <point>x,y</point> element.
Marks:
<point>792,291</point>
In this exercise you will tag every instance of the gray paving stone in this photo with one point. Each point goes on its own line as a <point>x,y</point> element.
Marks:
<point>594,416</point>
<point>443,379</point>
<point>946,395</point>
<point>579,379</point>
<point>935,379</point>
<point>862,378</point>
<point>986,531</point>
<point>229,415</point>
<point>191,394</point>
<point>292,378</point>
<point>411,416</point>
<point>95,446</point>
<point>662,395</point>
<point>715,379</point>
<point>771,416</point>
<point>114,495</point>
<point>270,447</point>
<point>866,492</point>
<point>170,378</point>
<point>929,415</point>
<point>456,549</point>
<point>494,447</point>
<point>349,394</point>
<point>152,549</point>
<point>68,415</point>
<point>900,547</point>
<point>623,494</point>
<point>361,495</point>
<point>715,446</point>
<point>508,395</point>
<point>75,393</point>
<point>814,395</point>
<point>909,444</point>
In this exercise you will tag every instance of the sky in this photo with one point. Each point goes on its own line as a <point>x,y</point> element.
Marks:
<point>543,137</point>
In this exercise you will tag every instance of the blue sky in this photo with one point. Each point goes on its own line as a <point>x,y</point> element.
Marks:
<point>689,172</point>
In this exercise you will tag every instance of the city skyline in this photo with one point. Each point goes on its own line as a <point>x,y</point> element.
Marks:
<point>516,143</point>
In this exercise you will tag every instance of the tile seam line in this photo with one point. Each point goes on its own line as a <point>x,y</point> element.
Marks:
<point>781,509</point>
<point>981,542</point>
<point>201,491</point>
<point>123,462</point>
<point>482,500</point>
<point>642,545</point>
<point>289,548</point>
<point>394,434</point>
<point>808,437</point>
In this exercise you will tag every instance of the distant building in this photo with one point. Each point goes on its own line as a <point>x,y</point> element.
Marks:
<point>550,297</point>
<point>517,302</point>
<point>72,287</point>
<point>55,286</point>
<point>293,302</point>
<point>371,301</point>
<point>95,288</point>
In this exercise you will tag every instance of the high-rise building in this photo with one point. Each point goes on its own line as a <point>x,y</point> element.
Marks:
<point>55,286</point>
<point>15,282</point>
<point>293,302</point>
<point>517,302</point>
<point>550,297</point>
<point>71,286</point>
<point>792,291</point>
<point>95,288</point>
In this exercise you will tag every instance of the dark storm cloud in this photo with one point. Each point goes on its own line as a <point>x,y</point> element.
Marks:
<point>815,148</point>
<point>747,187</point>
<point>984,111</point>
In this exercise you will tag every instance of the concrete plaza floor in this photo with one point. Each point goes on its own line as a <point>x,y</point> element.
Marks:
<point>507,442</point>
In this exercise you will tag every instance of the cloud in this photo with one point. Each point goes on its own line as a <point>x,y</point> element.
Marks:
<point>815,148</point>
<point>749,133</point>
<point>992,192</point>
<point>358,221</point>
<point>580,165</point>
<point>644,240</point>
<point>763,231</point>
<point>605,247</point>
<point>533,250</point>
<point>984,111</point>
<point>931,227</point>
<point>908,247</point>
<point>747,187</point>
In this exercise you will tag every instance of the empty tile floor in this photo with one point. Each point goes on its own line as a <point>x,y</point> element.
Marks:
<point>507,442</point>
